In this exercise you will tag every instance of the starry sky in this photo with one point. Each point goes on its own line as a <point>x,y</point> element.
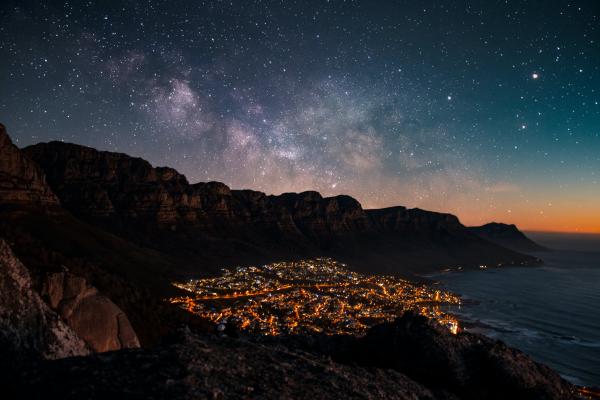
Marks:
<point>487,109</point>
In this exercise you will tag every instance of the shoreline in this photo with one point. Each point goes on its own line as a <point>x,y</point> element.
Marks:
<point>526,310</point>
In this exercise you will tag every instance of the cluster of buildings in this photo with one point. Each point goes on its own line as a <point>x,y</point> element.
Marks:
<point>317,295</point>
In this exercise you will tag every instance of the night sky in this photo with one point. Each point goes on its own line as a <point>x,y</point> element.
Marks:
<point>486,109</point>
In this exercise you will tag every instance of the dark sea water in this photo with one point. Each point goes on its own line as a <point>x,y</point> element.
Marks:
<point>551,312</point>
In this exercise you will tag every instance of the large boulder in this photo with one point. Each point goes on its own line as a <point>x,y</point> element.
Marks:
<point>93,316</point>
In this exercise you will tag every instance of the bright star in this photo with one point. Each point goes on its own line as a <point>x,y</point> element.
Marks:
<point>535,75</point>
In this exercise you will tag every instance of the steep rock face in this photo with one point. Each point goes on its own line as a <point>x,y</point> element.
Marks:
<point>417,222</point>
<point>119,192</point>
<point>96,184</point>
<point>323,220</point>
<point>22,182</point>
<point>506,235</point>
<point>208,225</point>
<point>95,318</point>
<point>102,184</point>
<point>28,327</point>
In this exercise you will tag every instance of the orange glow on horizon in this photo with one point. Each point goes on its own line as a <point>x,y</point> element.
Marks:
<point>558,223</point>
<point>559,218</point>
<point>532,209</point>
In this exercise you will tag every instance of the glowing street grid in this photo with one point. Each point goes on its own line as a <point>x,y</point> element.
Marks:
<point>318,295</point>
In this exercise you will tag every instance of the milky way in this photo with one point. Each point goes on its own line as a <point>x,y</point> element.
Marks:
<point>488,109</point>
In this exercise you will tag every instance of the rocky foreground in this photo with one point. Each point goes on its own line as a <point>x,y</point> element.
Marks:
<point>407,359</point>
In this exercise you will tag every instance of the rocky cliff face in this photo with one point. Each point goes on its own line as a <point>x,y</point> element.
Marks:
<point>95,184</point>
<point>22,182</point>
<point>28,327</point>
<point>102,184</point>
<point>417,222</point>
<point>209,225</point>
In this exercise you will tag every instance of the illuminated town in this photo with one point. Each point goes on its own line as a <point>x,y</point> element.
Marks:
<point>319,295</point>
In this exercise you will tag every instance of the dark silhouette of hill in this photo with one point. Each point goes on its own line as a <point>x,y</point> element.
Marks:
<point>508,236</point>
<point>205,226</point>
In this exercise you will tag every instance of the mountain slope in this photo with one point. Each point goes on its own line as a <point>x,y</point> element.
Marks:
<point>205,226</point>
<point>508,236</point>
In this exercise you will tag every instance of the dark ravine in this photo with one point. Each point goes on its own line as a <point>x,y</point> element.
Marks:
<point>90,242</point>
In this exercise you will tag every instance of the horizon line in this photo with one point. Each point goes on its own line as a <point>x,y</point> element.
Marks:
<point>597,233</point>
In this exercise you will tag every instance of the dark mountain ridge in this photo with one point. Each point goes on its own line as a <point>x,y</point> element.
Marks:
<point>210,225</point>
<point>508,236</point>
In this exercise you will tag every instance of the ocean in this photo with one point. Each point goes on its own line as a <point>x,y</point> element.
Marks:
<point>551,312</point>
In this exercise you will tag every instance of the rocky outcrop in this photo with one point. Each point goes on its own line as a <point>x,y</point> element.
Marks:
<point>96,319</point>
<point>209,225</point>
<point>508,236</point>
<point>28,327</point>
<point>75,320</point>
<point>463,366</point>
<point>410,358</point>
<point>22,182</point>
<point>217,368</point>
<point>467,365</point>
